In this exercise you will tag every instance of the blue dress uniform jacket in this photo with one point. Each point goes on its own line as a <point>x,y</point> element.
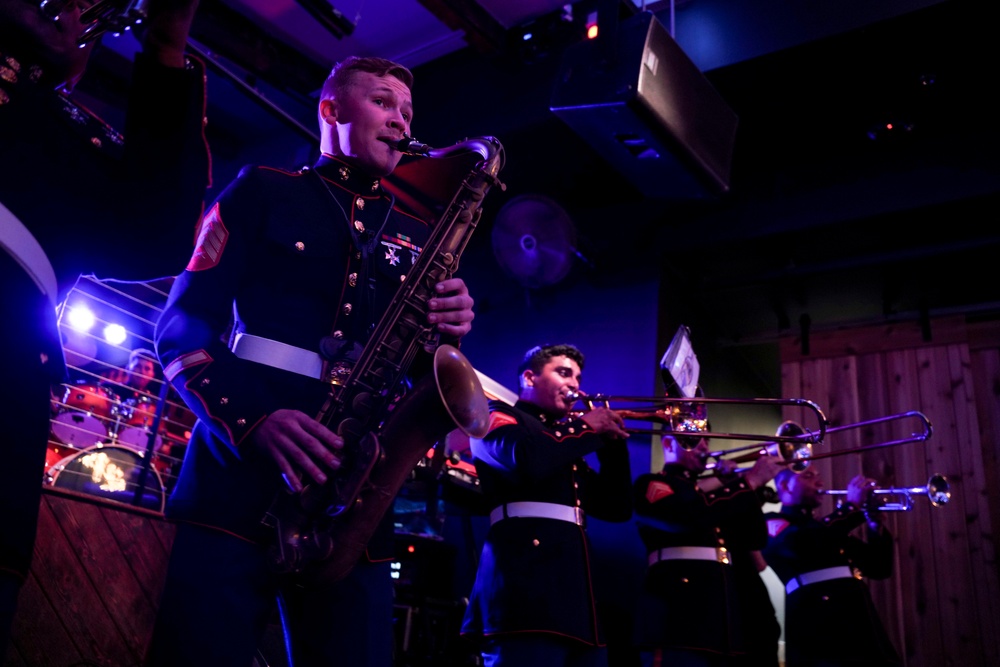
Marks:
<point>280,257</point>
<point>118,206</point>
<point>95,203</point>
<point>534,573</point>
<point>692,604</point>
<point>832,622</point>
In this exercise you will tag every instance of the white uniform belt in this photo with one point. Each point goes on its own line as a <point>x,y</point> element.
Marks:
<point>26,251</point>
<point>537,511</point>
<point>720,554</point>
<point>278,355</point>
<point>816,576</point>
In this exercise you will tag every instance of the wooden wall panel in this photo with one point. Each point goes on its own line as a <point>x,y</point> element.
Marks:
<point>94,584</point>
<point>986,381</point>
<point>942,605</point>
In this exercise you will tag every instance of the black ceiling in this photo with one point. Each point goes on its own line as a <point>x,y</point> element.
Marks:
<point>832,216</point>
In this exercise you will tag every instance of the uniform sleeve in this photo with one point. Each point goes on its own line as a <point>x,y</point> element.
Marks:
<point>519,446</point>
<point>225,392</point>
<point>874,555</point>
<point>844,519</point>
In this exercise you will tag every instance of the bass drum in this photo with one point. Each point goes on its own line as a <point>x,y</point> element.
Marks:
<point>110,472</point>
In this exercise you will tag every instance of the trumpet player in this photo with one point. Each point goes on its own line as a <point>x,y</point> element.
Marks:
<point>77,197</point>
<point>695,529</point>
<point>830,620</point>
<point>533,603</point>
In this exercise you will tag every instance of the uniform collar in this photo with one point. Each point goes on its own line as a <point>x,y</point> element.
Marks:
<point>347,176</point>
<point>538,413</point>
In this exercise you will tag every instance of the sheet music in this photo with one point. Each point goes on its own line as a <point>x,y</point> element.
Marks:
<point>681,363</point>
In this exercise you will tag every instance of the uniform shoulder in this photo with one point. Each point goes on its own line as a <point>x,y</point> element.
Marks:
<point>265,172</point>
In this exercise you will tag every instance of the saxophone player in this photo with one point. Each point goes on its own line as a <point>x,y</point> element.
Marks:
<point>298,266</point>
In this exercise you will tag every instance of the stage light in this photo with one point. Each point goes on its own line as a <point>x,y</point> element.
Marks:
<point>592,28</point>
<point>80,318</point>
<point>115,334</point>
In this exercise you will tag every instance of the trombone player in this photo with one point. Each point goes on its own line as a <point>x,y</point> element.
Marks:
<point>697,533</point>
<point>830,619</point>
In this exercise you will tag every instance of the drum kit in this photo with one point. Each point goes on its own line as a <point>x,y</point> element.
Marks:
<point>99,441</point>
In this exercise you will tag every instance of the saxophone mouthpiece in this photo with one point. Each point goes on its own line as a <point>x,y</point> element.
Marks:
<point>409,146</point>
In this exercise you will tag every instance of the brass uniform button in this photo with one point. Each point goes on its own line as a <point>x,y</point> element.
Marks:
<point>347,308</point>
<point>338,334</point>
<point>360,203</point>
<point>360,226</point>
<point>241,422</point>
<point>224,401</point>
<point>535,542</point>
<point>352,280</point>
<point>205,382</point>
<point>300,246</point>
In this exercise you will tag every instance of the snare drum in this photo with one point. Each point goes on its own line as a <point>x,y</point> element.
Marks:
<point>84,420</point>
<point>110,472</point>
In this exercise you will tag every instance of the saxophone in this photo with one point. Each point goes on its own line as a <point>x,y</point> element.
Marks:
<point>387,428</point>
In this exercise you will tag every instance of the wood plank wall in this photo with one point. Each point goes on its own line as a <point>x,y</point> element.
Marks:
<point>942,604</point>
<point>95,582</point>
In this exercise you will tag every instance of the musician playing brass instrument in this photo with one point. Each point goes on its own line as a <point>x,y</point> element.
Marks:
<point>533,603</point>
<point>830,619</point>
<point>79,197</point>
<point>697,532</point>
<point>306,262</point>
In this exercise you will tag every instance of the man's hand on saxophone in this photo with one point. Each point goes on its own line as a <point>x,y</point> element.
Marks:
<point>299,445</point>
<point>452,310</point>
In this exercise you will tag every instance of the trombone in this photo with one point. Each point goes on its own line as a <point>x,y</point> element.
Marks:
<point>800,456</point>
<point>683,416</point>
<point>938,491</point>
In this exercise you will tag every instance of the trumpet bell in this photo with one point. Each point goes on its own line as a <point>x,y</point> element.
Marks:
<point>938,490</point>
<point>687,421</point>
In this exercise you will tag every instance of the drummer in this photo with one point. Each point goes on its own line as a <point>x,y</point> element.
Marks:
<point>133,381</point>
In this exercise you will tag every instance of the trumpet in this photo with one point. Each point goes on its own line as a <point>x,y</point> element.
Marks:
<point>687,418</point>
<point>103,16</point>
<point>799,456</point>
<point>937,490</point>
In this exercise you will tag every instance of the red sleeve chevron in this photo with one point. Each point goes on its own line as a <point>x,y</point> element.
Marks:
<point>658,491</point>
<point>212,239</point>
<point>775,526</point>
<point>498,419</point>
